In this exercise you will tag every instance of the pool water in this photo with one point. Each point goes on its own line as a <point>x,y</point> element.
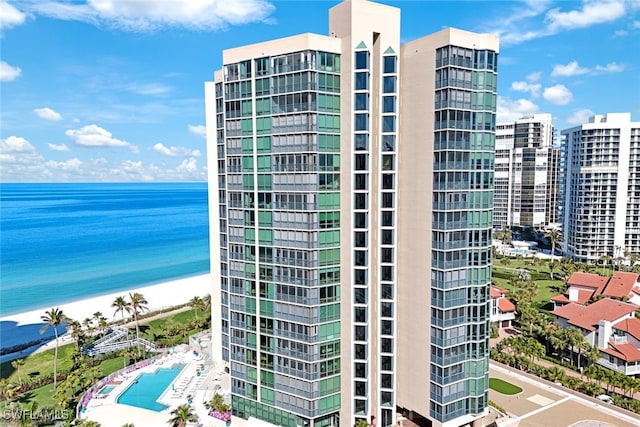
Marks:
<point>107,389</point>
<point>147,388</point>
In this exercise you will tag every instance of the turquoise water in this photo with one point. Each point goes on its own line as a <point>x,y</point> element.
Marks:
<point>147,388</point>
<point>66,242</point>
<point>107,389</point>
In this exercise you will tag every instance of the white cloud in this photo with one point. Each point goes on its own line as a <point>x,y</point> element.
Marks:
<point>574,69</point>
<point>199,130</point>
<point>579,117</point>
<point>175,151</point>
<point>57,147</point>
<point>610,68</point>
<point>558,95</point>
<point>47,113</point>
<point>571,69</point>
<point>188,165</point>
<point>531,19</point>
<point>509,110</point>
<point>10,16</point>
<point>95,136</point>
<point>20,159</point>
<point>136,15</point>
<point>74,164</point>
<point>8,72</point>
<point>15,144</point>
<point>534,77</point>
<point>153,89</point>
<point>534,88</point>
<point>591,13</point>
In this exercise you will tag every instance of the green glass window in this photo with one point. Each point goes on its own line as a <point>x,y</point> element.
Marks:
<point>264,163</point>
<point>329,256</point>
<point>246,108</point>
<point>252,373</point>
<point>247,163</point>
<point>264,144</point>
<point>266,308</point>
<point>266,237</point>
<point>265,182</point>
<point>329,331</point>
<point>263,125</point>
<point>247,145</point>
<point>329,238</point>
<point>251,337</point>
<point>263,106</point>
<point>329,385</point>
<point>328,201</point>
<point>246,126</point>
<point>250,236</point>
<point>265,219</point>
<point>247,182</point>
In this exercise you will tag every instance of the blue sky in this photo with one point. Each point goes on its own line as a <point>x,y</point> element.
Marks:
<point>113,90</point>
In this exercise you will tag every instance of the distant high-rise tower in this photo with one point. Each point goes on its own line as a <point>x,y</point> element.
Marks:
<point>526,174</point>
<point>602,189</point>
<point>351,182</point>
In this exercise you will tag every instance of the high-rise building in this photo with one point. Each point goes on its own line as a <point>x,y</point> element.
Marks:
<point>602,189</point>
<point>350,184</point>
<point>526,174</point>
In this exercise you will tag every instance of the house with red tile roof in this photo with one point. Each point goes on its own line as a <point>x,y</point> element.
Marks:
<point>584,287</point>
<point>624,285</point>
<point>612,326</point>
<point>503,311</point>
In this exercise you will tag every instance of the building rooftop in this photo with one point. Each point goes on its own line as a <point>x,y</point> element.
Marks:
<point>505,305</point>
<point>627,352</point>
<point>589,280</point>
<point>630,326</point>
<point>587,317</point>
<point>620,284</point>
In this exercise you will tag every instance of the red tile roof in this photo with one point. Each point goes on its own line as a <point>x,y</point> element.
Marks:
<point>620,284</point>
<point>587,317</point>
<point>589,280</point>
<point>584,296</point>
<point>626,352</point>
<point>560,298</point>
<point>630,326</point>
<point>504,305</point>
<point>497,292</point>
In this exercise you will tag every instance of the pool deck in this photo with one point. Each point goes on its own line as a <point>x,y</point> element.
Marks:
<point>105,409</point>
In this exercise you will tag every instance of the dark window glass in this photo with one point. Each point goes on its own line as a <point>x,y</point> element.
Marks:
<point>360,201</point>
<point>388,123</point>
<point>387,181</point>
<point>362,141</point>
<point>389,84</point>
<point>360,220</point>
<point>386,345</point>
<point>362,101</point>
<point>389,64</point>
<point>387,254</point>
<point>361,368</point>
<point>362,81</point>
<point>389,104</point>
<point>362,60</point>
<point>361,182</point>
<point>388,142</point>
<point>362,121</point>
<point>386,291</point>
<point>387,200</point>
<point>361,162</point>
<point>360,258</point>
<point>361,239</point>
<point>387,237</point>
<point>360,295</point>
<point>360,314</point>
<point>387,218</point>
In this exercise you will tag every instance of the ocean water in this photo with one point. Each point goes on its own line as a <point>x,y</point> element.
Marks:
<point>65,242</point>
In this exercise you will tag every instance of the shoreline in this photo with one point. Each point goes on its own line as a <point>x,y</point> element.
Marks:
<point>21,328</point>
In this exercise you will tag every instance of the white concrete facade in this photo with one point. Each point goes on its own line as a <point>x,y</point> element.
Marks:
<point>525,168</point>
<point>602,188</point>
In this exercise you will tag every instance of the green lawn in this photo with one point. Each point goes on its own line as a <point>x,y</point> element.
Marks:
<point>503,387</point>
<point>39,364</point>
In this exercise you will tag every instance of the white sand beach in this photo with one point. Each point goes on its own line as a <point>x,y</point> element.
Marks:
<point>16,330</point>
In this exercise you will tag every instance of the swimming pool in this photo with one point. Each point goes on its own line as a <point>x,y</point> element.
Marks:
<point>147,388</point>
<point>107,389</point>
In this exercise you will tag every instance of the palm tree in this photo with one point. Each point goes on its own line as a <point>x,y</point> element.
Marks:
<point>182,415</point>
<point>197,303</point>
<point>362,423</point>
<point>554,237</point>
<point>137,304</point>
<point>54,318</point>
<point>7,390</point>
<point>121,305</point>
<point>17,364</point>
